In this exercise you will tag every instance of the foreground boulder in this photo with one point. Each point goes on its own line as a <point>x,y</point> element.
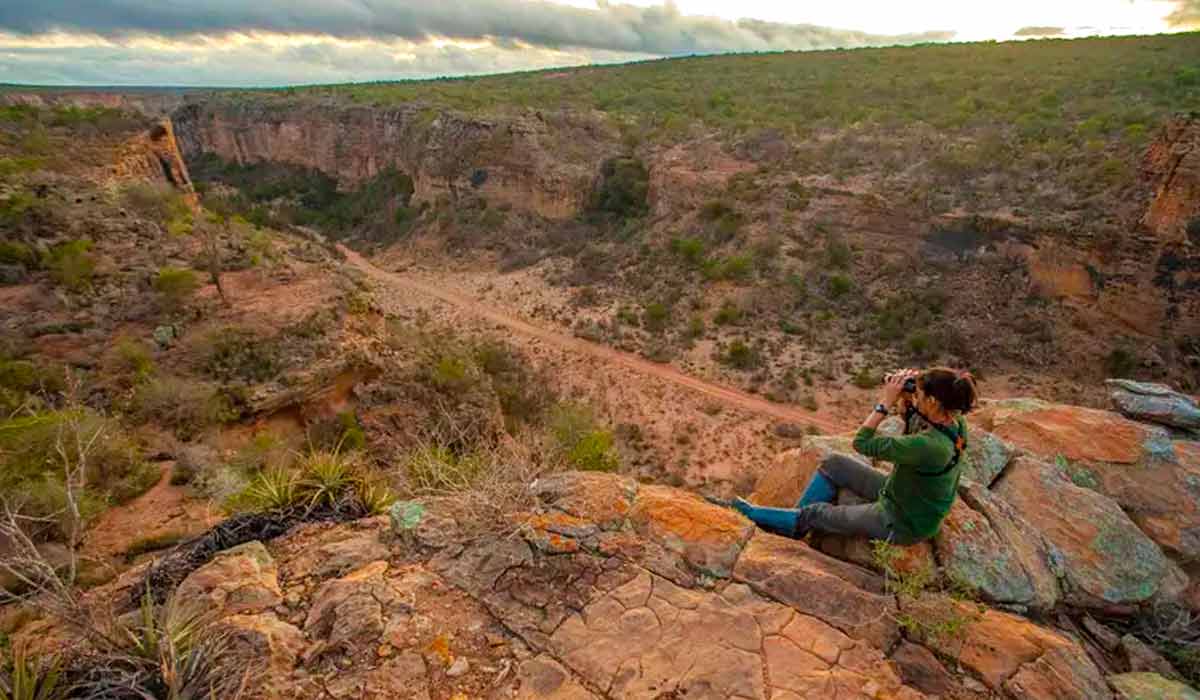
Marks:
<point>243,579</point>
<point>1101,556</point>
<point>1003,564</point>
<point>1155,479</point>
<point>1008,653</point>
<point>1150,686</point>
<point>1157,403</point>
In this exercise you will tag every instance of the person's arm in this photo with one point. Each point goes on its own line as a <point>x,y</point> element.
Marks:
<point>888,448</point>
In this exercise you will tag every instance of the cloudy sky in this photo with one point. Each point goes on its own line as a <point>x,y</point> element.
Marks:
<point>276,42</point>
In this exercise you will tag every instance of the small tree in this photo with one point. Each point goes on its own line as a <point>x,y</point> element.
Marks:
<point>216,222</point>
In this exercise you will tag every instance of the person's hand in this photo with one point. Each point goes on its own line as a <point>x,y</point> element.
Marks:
<point>893,386</point>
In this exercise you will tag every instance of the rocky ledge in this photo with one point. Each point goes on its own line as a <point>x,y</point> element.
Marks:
<point>613,589</point>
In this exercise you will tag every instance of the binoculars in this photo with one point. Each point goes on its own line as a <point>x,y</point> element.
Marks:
<point>910,384</point>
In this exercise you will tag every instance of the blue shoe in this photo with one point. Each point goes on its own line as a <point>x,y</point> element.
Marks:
<point>780,521</point>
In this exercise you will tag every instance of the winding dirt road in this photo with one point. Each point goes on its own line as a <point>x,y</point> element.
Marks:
<point>732,397</point>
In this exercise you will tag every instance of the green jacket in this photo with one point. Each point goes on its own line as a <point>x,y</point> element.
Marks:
<point>915,496</point>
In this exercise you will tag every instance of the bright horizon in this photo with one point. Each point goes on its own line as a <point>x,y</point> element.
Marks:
<point>277,43</point>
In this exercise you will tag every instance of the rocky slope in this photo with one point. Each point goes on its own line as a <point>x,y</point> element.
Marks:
<point>1070,555</point>
<point>1066,293</point>
<point>612,588</point>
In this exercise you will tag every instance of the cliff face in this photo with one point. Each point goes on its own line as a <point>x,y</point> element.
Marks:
<point>539,162</point>
<point>154,155</point>
<point>150,102</point>
<point>1173,166</point>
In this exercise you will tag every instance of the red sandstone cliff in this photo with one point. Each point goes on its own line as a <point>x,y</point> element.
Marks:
<point>534,161</point>
<point>1173,165</point>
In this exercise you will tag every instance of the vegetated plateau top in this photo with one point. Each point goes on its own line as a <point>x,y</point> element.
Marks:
<point>1114,81</point>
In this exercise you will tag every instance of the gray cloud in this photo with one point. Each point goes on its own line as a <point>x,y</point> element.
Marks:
<point>1040,31</point>
<point>265,63</point>
<point>658,30</point>
<point>1186,14</point>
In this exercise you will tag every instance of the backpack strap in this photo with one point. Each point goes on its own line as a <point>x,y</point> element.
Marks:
<point>956,439</point>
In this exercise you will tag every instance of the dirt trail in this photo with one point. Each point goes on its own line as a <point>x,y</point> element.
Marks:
<point>732,397</point>
<point>165,508</point>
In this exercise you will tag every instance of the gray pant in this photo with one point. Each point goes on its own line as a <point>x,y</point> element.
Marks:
<point>867,519</point>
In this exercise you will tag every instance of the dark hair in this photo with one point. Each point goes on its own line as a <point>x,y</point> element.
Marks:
<point>954,390</point>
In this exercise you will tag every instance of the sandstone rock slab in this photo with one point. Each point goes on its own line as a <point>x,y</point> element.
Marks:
<point>709,538</point>
<point>1099,553</point>
<point>1157,403</point>
<point>783,482</point>
<point>1150,686</point>
<point>543,678</point>
<point>987,456</point>
<point>603,499</point>
<point>243,579</point>
<point>1154,479</point>
<point>1008,653</point>
<point>1022,545</point>
<point>843,595</point>
<point>263,640</point>
<point>650,638</point>
<point>354,609</point>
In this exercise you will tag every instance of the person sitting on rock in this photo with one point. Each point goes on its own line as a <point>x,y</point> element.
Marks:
<point>908,505</point>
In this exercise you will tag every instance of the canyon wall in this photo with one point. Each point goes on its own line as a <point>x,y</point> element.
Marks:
<point>535,161</point>
<point>151,102</point>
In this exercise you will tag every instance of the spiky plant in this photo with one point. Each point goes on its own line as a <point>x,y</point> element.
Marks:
<point>32,677</point>
<point>270,489</point>
<point>375,496</point>
<point>172,652</point>
<point>327,476</point>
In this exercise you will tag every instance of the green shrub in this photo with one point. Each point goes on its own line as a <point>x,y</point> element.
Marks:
<point>28,377</point>
<point>10,167</point>
<point>239,353</point>
<point>17,253</point>
<point>319,479</point>
<point>524,395</point>
<point>31,464</point>
<point>655,317</point>
<point>838,254</point>
<point>1193,229</point>
<point>327,476</point>
<point>492,219</point>
<point>738,267</point>
<point>724,219</point>
<point>580,442</point>
<point>690,249</point>
<point>628,315</point>
<point>839,285</point>
<point>71,264</point>
<point>29,676</point>
<point>181,226</point>
<point>728,314</point>
<point>624,185</point>
<point>341,432</point>
<point>438,470</point>
<point>739,355</point>
<point>176,285</point>
<point>158,202</point>
<point>131,361</point>
<point>185,406</point>
<point>16,205</point>
<point>453,373</point>
<point>866,378</point>
<point>696,327</point>
<point>918,343</point>
<point>1120,363</point>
